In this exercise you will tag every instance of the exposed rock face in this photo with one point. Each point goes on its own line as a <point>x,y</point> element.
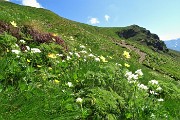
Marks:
<point>144,36</point>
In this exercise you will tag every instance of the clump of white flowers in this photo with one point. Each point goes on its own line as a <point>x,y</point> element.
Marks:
<point>83,51</point>
<point>68,57</point>
<point>97,59</point>
<point>160,100</point>
<point>79,100</point>
<point>35,50</point>
<point>142,86</point>
<point>77,54</point>
<point>16,51</point>
<point>153,82</point>
<point>82,46</point>
<point>131,76</point>
<point>139,72</point>
<point>70,84</point>
<point>91,55</point>
<point>155,87</point>
<point>22,41</point>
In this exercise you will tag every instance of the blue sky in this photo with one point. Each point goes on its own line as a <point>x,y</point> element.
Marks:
<point>159,16</point>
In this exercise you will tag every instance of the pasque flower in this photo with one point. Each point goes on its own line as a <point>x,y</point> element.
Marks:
<point>51,55</point>
<point>126,54</point>
<point>13,24</point>
<point>126,65</point>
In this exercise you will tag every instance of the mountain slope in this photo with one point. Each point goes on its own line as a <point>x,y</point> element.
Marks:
<point>54,68</point>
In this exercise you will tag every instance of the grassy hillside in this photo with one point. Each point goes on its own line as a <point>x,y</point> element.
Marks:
<point>54,68</point>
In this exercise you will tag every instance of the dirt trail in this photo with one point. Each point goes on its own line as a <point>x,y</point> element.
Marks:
<point>141,54</point>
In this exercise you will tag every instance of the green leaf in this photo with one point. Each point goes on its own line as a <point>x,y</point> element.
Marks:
<point>129,115</point>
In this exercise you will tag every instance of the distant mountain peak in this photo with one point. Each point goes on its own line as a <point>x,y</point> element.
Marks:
<point>173,44</point>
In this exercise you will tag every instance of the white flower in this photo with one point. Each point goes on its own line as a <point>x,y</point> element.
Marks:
<point>60,55</point>
<point>159,88</point>
<point>127,74</point>
<point>118,64</point>
<point>131,76</point>
<point>16,45</point>
<point>152,115</point>
<point>70,53</point>
<point>82,46</point>
<point>139,72</point>
<point>97,59</point>
<point>132,81</point>
<point>79,100</point>
<point>142,86</point>
<point>68,58</point>
<point>91,55</point>
<point>77,55</point>
<point>160,100</point>
<point>27,47</point>
<point>135,77</point>
<point>153,82</point>
<point>151,92</point>
<point>35,50</point>
<point>83,51</point>
<point>71,38</point>
<point>16,51</point>
<point>22,41</point>
<point>70,84</point>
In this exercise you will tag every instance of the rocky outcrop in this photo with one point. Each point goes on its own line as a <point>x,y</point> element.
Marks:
<point>134,32</point>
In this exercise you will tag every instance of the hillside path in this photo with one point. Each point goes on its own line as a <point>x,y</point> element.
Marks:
<point>141,54</point>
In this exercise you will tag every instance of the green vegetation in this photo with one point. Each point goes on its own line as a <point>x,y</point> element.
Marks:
<point>54,68</point>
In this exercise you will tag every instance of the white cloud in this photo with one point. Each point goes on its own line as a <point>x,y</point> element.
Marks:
<point>169,36</point>
<point>94,21</point>
<point>7,0</point>
<point>32,3</point>
<point>107,17</point>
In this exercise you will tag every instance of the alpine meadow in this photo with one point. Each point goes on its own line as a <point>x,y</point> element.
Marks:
<point>52,68</point>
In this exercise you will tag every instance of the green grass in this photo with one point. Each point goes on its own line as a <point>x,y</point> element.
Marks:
<point>28,81</point>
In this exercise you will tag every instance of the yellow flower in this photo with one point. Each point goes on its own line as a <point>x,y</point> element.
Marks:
<point>54,34</point>
<point>13,24</point>
<point>110,57</point>
<point>126,65</point>
<point>126,54</point>
<point>28,60</point>
<point>56,81</point>
<point>103,59</point>
<point>39,66</point>
<point>51,55</point>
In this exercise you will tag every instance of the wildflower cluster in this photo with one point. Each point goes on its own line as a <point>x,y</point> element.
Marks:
<point>153,87</point>
<point>133,77</point>
<point>84,54</point>
<point>126,55</point>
